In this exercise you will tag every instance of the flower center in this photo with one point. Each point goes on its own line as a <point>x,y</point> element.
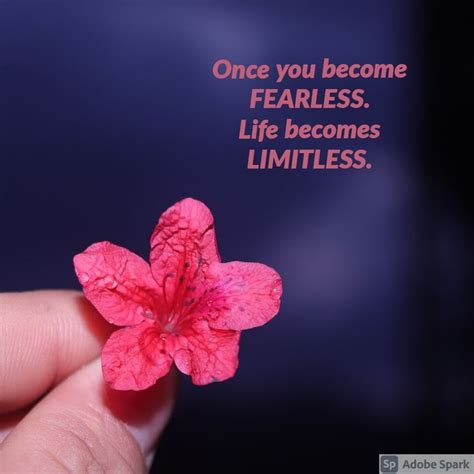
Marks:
<point>164,323</point>
<point>169,327</point>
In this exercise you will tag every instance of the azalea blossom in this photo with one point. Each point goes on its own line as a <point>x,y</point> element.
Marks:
<point>185,307</point>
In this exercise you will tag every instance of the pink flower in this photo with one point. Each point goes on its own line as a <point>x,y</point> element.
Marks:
<point>186,306</point>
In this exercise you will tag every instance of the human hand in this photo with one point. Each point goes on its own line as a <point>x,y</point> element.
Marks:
<point>56,412</point>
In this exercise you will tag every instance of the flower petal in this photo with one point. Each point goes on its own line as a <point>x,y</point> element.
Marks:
<point>183,245</point>
<point>134,358</point>
<point>117,282</point>
<point>240,295</point>
<point>208,355</point>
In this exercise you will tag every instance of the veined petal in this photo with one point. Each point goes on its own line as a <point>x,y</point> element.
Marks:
<point>240,295</point>
<point>117,282</point>
<point>134,358</point>
<point>183,245</point>
<point>206,354</point>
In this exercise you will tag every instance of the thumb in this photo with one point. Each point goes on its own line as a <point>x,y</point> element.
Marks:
<point>83,426</point>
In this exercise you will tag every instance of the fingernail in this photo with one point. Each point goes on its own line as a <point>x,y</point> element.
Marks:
<point>146,412</point>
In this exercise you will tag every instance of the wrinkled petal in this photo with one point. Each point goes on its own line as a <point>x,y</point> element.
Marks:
<point>117,282</point>
<point>134,358</point>
<point>240,295</point>
<point>206,354</point>
<point>183,245</point>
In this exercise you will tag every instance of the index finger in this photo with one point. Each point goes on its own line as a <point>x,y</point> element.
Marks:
<point>44,336</point>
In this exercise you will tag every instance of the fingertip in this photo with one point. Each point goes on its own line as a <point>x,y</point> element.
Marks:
<point>84,422</point>
<point>145,413</point>
<point>44,336</point>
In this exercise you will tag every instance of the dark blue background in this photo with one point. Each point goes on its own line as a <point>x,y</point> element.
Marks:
<point>110,114</point>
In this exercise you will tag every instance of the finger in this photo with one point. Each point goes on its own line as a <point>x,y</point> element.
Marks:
<point>9,421</point>
<point>44,336</point>
<point>83,426</point>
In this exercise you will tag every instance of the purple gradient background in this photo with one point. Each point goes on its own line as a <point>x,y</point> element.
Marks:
<point>111,114</point>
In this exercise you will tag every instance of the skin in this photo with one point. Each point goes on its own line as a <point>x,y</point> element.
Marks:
<point>56,412</point>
